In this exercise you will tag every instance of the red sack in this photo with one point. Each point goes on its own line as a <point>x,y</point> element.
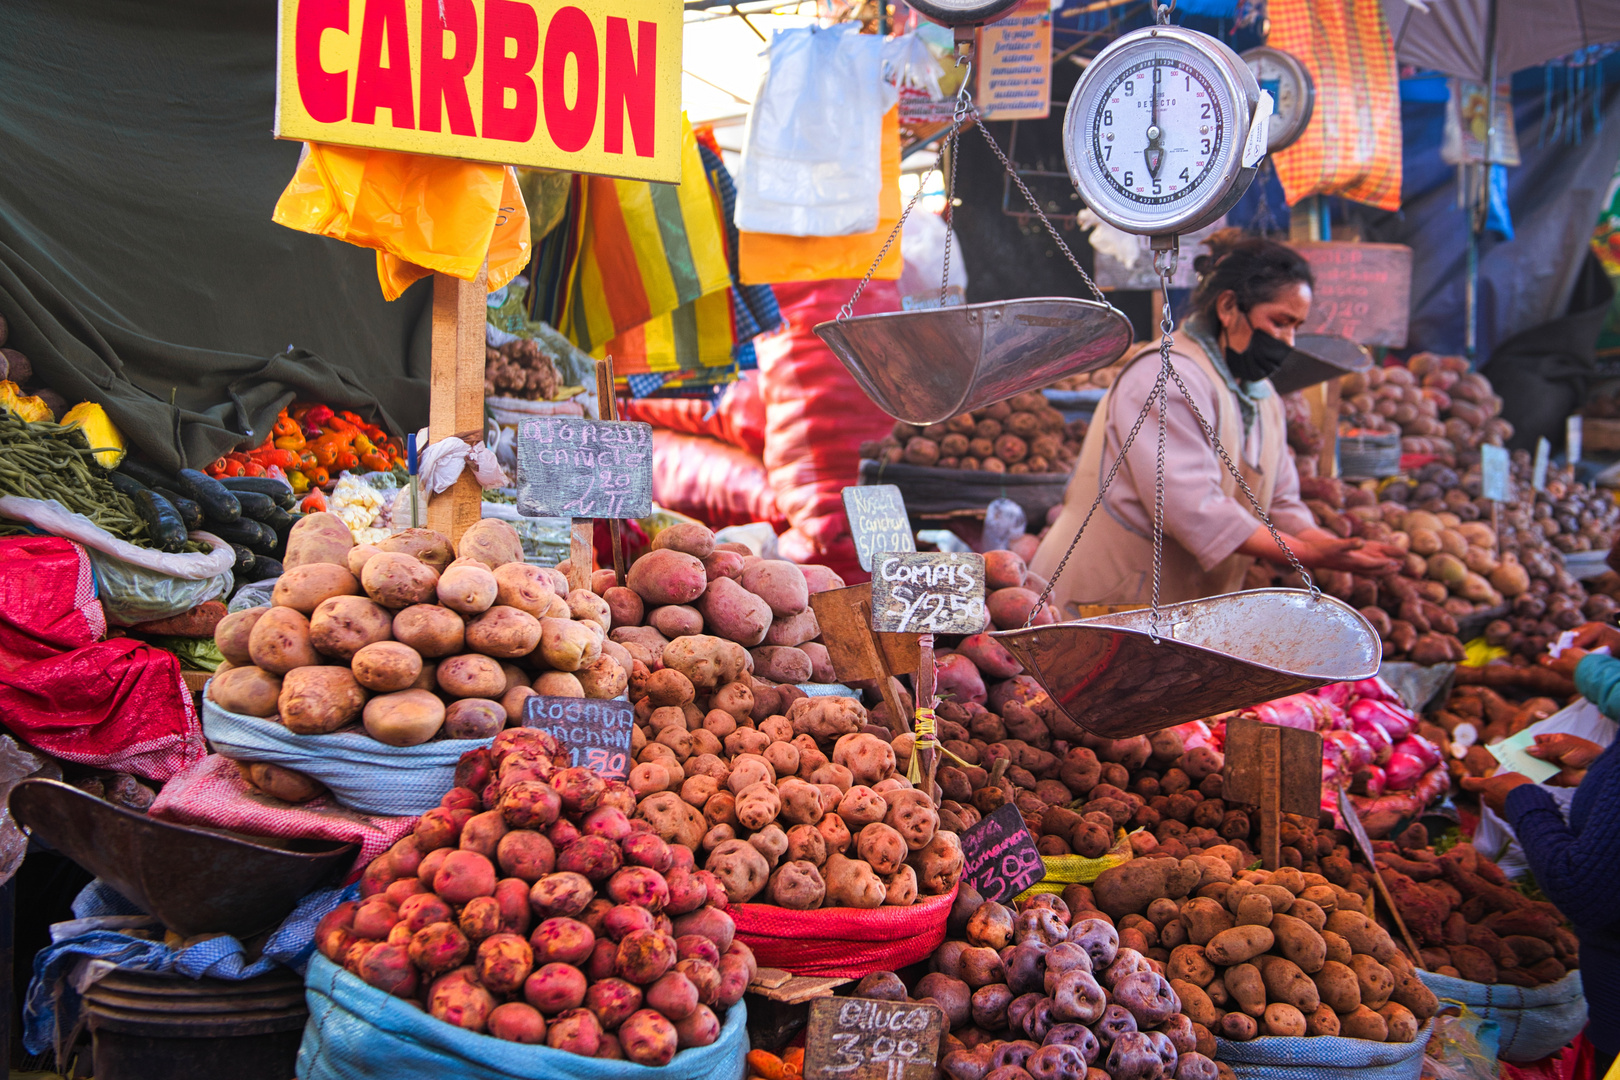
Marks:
<point>816,417</point>
<point>844,943</point>
<point>738,420</point>
<point>118,704</point>
<point>213,794</point>
<point>709,480</point>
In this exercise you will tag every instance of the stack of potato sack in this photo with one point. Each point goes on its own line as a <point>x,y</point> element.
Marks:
<point>1037,992</point>
<point>1435,402</point>
<point>1021,435</point>
<point>1469,920</point>
<point>532,908</point>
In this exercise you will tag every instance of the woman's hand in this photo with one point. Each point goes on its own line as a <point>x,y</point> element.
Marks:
<point>1595,635</point>
<point>1572,754</point>
<point>1493,790</point>
<point>1565,662</point>
<point>1355,556</point>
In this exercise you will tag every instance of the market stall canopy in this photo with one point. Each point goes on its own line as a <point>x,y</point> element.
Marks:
<point>1450,36</point>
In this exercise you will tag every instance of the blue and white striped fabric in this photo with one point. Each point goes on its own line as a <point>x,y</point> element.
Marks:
<point>1324,1057</point>
<point>363,774</point>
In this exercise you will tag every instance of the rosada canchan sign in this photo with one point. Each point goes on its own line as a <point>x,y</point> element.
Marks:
<point>589,86</point>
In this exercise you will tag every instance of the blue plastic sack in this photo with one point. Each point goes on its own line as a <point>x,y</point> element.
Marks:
<point>1534,1022</point>
<point>357,1032</point>
<point>1324,1057</point>
<point>363,774</point>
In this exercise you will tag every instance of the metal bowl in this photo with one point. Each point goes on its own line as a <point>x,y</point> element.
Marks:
<point>195,881</point>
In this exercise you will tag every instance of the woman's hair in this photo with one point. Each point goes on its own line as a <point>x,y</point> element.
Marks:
<point>1253,268</point>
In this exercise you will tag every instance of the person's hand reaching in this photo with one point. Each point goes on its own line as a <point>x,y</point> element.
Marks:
<point>1493,790</point>
<point>1572,754</point>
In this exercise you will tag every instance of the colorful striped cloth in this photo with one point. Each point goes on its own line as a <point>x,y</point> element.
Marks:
<point>1352,146</point>
<point>643,250</point>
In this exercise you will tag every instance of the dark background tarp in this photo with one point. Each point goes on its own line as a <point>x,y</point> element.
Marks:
<point>137,255</point>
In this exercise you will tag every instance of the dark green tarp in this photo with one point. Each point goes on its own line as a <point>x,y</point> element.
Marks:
<point>138,261</point>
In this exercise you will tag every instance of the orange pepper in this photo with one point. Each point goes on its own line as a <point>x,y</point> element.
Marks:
<point>376,462</point>
<point>318,477</point>
<point>290,442</point>
<point>255,469</point>
<point>345,459</point>
<point>314,503</point>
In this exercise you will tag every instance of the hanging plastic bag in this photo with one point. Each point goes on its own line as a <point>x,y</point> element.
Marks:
<point>922,247</point>
<point>812,163</point>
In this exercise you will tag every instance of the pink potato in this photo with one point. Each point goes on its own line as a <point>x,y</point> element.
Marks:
<point>503,632</point>
<point>735,974</point>
<point>389,969</point>
<point>688,536</point>
<point>560,895</point>
<point>458,999</point>
<point>624,606</point>
<point>650,850</point>
<point>559,684</point>
<point>248,690</point>
<point>644,956</point>
<point>359,555</point>
<point>512,702</point>
<point>504,962</point>
<point>676,620</point>
<point>782,664</point>
<point>526,855</point>
<point>444,828</point>
<point>483,833</point>
<point>438,947</point>
<point>397,580</point>
<point>232,632</point>
<point>463,875</point>
<point>374,918</point>
<point>471,676</point>
<point>587,607</point>
<point>318,538</point>
<point>517,1022</point>
<point>527,588</point>
<point>423,910</point>
<point>794,630</point>
<point>721,564</point>
<point>386,666</point>
<point>665,576</point>
<point>575,1031</point>
<point>581,789</point>
<point>956,674</point>
<point>480,918</point>
<point>820,578</point>
<point>562,941</point>
<point>567,645</point>
<point>530,804</point>
<point>1003,570</point>
<point>648,1038</point>
<point>604,957</point>
<point>732,612</point>
<point>279,642</point>
<point>612,1001</point>
<point>430,547</point>
<point>780,584</point>
<point>555,988</point>
<point>492,542</point>
<point>990,657</point>
<point>639,886</point>
<point>622,920</point>
<point>711,923</point>
<point>696,947</point>
<point>474,718</point>
<point>674,995</point>
<point>305,588</point>
<point>1010,607</point>
<point>467,587</point>
<point>431,630</point>
<point>700,1028</point>
<point>512,894</point>
<point>603,679</point>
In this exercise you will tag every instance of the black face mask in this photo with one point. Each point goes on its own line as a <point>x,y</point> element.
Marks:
<point>1261,359</point>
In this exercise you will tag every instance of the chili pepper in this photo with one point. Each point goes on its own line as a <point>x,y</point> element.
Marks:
<point>319,477</point>
<point>290,442</point>
<point>299,482</point>
<point>318,415</point>
<point>255,469</point>
<point>286,426</point>
<point>313,503</point>
<point>376,462</point>
<point>345,459</point>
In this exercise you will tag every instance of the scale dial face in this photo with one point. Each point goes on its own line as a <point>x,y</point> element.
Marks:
<point>1291,87</point>
<point>1155,131</point>
<point>964,12</point>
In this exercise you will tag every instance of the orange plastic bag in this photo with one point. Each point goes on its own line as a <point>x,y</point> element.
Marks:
<point>768,258</point>
<point>421,214</point>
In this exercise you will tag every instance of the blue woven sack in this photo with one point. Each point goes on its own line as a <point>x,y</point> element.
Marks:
<point>1324,1057</point>
<point>357,1032</point>
<point>364,774</point>
<point>1534,1021</point>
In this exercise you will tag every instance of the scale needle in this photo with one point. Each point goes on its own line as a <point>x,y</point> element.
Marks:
<point>1154,154</point>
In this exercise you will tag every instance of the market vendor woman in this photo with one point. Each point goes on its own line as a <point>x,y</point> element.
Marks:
<point>1252,295</point>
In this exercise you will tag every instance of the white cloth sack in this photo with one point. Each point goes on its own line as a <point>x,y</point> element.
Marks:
<point>812,156</point>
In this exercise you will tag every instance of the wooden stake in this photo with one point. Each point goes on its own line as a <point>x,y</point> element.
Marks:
<point>607,408</point>
<point>1271,796</point>
<point>581,553</point>
<point>456,402</point>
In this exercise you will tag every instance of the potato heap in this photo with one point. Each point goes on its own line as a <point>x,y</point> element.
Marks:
<point>531,907</point>
<point>801,807</point>
<point>1033,994</point>
<point>1469,920</point>
<point>409,641</point>
<point>1435,402</point>
<point>1021,435</point>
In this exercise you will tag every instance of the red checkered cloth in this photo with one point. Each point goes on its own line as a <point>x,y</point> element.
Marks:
<point>213,794</point>
<point>845,943</point>
<point>119,704</point>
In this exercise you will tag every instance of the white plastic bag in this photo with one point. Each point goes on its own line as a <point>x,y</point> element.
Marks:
<point>922,247</point>
<point>812,157</point>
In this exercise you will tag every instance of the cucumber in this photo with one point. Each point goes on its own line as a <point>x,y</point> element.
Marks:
<point>246,563</point>
<point>190,512</point>
<point>162,520</point>
<point>257,538</point>
<point>218,504</point>
<point>278,490</point>
<point>255,505</point>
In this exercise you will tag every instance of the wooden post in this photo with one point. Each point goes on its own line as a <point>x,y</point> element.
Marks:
<point>607,408</point>
<point>456,402</point>
<point>581,553</point>
<point>1271,796</point>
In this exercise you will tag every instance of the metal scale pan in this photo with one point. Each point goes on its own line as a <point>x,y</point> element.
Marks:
<point>1213,655</point>
<point>927,366</point>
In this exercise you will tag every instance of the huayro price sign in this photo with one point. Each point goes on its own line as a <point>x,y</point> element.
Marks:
<point>573,468</point>
<point>589,86</point>
<point>930,592</point>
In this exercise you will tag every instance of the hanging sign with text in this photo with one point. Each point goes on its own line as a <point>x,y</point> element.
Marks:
<point>999,856</point>
<point>596,732</point>
<point>878,521</point>
<point>928,592</point>
<point>1362,291</point>
<point>573,468</point>
<point>592,86</point>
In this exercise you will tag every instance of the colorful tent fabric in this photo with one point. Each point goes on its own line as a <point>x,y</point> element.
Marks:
<point>643,250</point>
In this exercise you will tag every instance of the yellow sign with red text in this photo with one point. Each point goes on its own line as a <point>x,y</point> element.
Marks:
<point>591,86</point>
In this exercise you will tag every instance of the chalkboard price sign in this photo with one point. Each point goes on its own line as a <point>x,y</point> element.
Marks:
<point>999,857</point>
<point>852,1038</point>
<point>878,521</point>
<point>597,733</point>
<point>573,468</point>
<point>929,592</point>
<point>1362,292</point>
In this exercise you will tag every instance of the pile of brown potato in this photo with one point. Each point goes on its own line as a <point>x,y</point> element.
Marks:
<point>1022,435</point>
<point>1435,402</point>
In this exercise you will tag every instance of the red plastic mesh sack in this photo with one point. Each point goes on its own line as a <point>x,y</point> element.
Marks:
<point>816,418</point>
<point>844,943</point>
<point>707,479</point>
<point>118,704</point>
<point>739,419</point>
<point>213,794</point>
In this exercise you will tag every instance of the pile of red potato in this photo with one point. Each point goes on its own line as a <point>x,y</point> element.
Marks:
<point>1024,434</point>
<point>532,907</point>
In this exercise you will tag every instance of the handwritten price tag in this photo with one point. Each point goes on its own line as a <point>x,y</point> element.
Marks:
<point>597,733</point>
<point>863,1039</point>
<point>573,468</point>
<point>878,521</point>
<point>999,857</point>
<point>931,592</point>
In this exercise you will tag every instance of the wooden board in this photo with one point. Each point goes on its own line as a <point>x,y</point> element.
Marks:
<point>574,468</point>
<point>1362,291</point>
<point>777,985</point>
<point>596,732</point>
<point>1299,758</point>
<point>999,857</point>
<point>878,521</point>
<point>930,592</point>
<point>861,1039</point>
<point>846,628</point>
<point>456,393</point>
